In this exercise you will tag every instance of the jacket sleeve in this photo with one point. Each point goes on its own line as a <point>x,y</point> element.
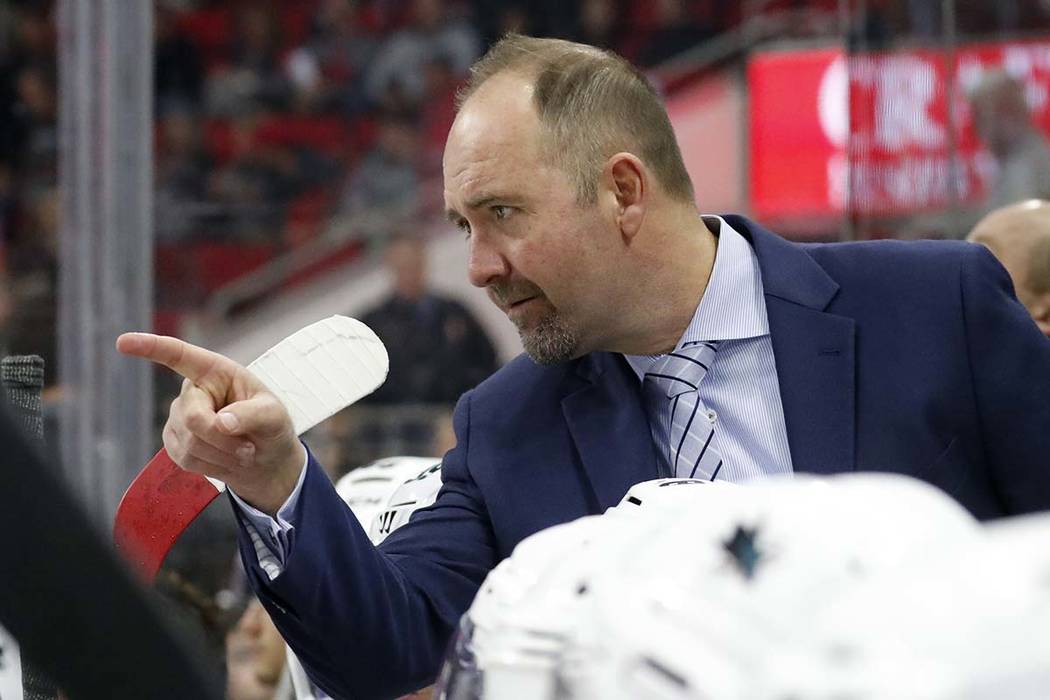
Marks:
<point>374,623</point>
<point>1009,362</point>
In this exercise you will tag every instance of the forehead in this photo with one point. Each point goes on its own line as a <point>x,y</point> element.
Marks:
<point>494,139</point>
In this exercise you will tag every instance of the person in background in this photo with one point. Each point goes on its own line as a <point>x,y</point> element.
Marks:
<point>1004,123</point>
<point>335,56</point>
<point>437,349</point>
<point>433,30</point>
<point>384,189</point>
<point>253,77</point>
<point>1019,235</point>
<point>255,658</point>
<point>183,165</point>
<point>32,264</point>
<point>178,67</point>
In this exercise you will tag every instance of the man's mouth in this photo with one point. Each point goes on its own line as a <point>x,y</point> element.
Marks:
<point>519,302</point>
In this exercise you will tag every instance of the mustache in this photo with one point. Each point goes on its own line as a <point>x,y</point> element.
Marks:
<point>503,293</point>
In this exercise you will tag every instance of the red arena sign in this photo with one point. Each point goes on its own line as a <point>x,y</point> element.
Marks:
<point>821,120</point>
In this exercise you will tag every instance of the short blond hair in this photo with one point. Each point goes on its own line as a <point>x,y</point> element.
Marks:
<point>592,104</point>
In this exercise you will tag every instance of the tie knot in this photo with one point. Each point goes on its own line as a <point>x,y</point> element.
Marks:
<point>683,369</point>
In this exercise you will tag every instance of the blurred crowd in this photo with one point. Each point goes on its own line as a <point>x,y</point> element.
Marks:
<point>288,121</point>
<point>277,123</point>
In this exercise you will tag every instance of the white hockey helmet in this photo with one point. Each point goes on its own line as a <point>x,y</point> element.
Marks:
<point>417,491</point>
<point>729,587</point>
<point>511,639</point>
<point>367,490</point>
<point>970,621</point>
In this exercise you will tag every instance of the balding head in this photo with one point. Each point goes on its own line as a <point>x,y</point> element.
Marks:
<point>590,104</point>
<point>562,170</point>
<point>1019,235</point>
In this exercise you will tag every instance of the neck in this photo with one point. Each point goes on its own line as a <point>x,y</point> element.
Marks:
<point>675,270</point>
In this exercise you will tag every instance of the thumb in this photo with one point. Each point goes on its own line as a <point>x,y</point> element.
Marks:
<point>261,417</point>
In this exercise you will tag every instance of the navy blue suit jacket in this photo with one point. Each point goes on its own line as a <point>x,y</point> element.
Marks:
<point>904,357</point>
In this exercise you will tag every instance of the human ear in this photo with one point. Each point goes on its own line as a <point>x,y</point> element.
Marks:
<point>627,179</point>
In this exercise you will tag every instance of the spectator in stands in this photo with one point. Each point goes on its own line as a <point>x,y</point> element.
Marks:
<point>874,25</point>
<point>384,189</point>
<point>432,32</point>
<point>35,127</point>
<point>335,56</point>
<point>181,173</point>
<point>31,45</point>
<point>33,265</point>
<point>33,34</point>
<point>924,19</point>
<point>496,18</point>
<point>1003,121</point>
<point>1019,235</point>
<point>675,31</point>
<point>255,77</point>
<point>437,348</point>
<point>437,112</point>
<point>251,187</point>
<point>599,23</point>
<point>512,18</point>
<point>178,74</point>
<point>263,177</point>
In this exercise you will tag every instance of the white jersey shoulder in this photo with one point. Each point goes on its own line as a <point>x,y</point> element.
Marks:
<point>367,490</point>
<point>418,491</point>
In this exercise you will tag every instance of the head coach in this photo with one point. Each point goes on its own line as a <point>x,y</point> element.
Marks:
<point>660,342</point>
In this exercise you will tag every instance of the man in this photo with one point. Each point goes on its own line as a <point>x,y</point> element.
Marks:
<point>437,348</point>
<point>563,172</point>
<point>1019,235</point>
<point>1004,123</point>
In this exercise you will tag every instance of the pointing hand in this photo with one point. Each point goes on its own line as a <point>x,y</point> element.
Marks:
<point>225,423</point>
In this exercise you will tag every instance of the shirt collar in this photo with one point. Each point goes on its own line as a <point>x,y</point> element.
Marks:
<point>732,306</point>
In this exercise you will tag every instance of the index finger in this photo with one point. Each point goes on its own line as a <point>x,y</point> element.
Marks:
<point>192,362</point>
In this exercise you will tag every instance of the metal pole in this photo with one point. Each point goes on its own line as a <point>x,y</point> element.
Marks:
<point>847,25</point>
<point>949,56</point>
<point>105,244</point>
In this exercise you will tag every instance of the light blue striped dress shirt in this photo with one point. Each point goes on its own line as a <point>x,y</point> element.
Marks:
<point>740,391</point>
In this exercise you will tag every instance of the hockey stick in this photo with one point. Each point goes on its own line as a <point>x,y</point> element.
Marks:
<point>315,372</point>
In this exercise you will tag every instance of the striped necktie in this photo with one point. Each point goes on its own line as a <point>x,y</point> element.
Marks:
<point>677,416</point>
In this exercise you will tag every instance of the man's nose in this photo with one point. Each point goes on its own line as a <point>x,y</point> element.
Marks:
<point>486,264</point>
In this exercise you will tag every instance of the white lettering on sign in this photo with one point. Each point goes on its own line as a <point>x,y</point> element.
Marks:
<point>907,183</point>
<point>902,91</point>
<point>10,668</point>
<point>833,103</point>
<point>906,87</point>
<point>838,174</point>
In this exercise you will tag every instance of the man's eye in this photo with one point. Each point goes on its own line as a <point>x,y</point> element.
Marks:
<point>464,226</point>
<point>500,212</point>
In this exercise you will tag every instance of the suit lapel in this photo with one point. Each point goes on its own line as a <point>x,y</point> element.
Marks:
<point>814,359</point>
<point>813,350</point>
<point>609,425</point>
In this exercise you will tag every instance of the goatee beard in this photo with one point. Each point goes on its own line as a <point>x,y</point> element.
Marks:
<point>551,342</point>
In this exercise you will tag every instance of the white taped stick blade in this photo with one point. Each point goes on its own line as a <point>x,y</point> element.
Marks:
<point>323,368</point>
